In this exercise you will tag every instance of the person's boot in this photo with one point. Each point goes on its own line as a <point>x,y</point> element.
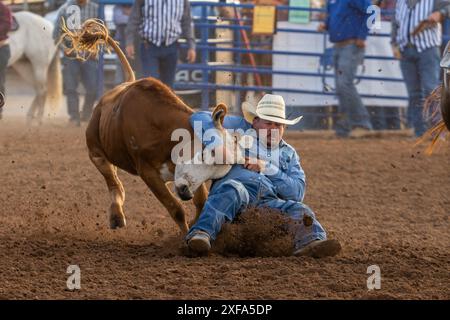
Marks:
<point>360,132</point>
<point>319,249</point>
<point>75,121</point>
<point>199,243</point>
<point>86,115</point>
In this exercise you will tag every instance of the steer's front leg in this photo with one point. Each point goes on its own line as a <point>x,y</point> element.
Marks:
<point>152,179</point>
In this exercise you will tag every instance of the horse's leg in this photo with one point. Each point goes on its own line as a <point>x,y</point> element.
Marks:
<point>40,86</point>
<point>25,71</point>
<point>41,98</point>
<point>153,180</point>
<point>37,106</point>
<point>115,187</point>
<point>200,197</point>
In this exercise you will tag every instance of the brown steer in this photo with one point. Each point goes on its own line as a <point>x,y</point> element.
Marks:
<point>131,129</point>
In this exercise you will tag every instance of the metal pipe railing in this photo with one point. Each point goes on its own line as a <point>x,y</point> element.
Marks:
<point>205,47</point>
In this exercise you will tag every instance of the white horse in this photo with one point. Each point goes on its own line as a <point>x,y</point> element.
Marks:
<point>34,56</point>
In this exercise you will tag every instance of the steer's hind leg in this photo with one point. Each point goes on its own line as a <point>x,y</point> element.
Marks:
<point>152,179</point>
<point>115,187</point>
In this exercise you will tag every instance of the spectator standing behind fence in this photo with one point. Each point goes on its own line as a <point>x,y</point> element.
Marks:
<point>75,70</point>
<point>388,117</point>
<point>419,54</point>
<point>160,24</point>
<point>346,23</point>
<point>5,54</point>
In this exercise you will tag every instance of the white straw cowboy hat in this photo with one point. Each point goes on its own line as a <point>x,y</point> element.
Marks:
<point>271,107</point>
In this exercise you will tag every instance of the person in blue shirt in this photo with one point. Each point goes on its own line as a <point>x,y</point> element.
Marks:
<point>270,177</point>
<point>347,25</point>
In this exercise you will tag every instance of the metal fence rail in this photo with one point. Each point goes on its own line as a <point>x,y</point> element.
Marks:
<point>205,24</point>
<point>238,49</point>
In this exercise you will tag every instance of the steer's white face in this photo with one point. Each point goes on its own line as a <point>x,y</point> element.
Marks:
<point>190,175</point>
<point>207,164</point>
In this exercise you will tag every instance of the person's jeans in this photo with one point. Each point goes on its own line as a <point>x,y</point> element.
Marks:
<point>160,62</point>
<point>241,188</point>
<point>385,118</point>
<point>351,110</point>
<point>421,74</point>
<point>5,54</point>
<point>73,72</point>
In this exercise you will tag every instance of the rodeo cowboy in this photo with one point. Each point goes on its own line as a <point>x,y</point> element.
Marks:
<point>259,182</point>
<point>75,70</point>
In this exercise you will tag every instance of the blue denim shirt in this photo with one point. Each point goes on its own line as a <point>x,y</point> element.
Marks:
<point>289,181</point>
<point>347,19</point>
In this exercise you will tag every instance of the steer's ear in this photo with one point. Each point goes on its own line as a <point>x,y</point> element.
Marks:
<point>219,114</point>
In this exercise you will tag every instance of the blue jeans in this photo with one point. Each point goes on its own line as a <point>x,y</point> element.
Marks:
<point>75,71</point>
<point>421,73</point>
<point>351,110</point>
<point>160,62</point>
<point>5,54</point>
<point>385,118</point>
<point>241,188</point>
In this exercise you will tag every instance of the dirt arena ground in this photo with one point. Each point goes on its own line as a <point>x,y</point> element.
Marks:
<point>385,201</point>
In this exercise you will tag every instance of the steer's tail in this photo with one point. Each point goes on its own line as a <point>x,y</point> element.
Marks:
<point>437,109</point>
<point>54,83</point>
<point>87,42</point>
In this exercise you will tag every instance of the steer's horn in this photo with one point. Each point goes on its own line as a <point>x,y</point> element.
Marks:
<point>219,114</point>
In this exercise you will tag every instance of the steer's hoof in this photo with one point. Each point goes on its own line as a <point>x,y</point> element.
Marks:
<point>116,217</point>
